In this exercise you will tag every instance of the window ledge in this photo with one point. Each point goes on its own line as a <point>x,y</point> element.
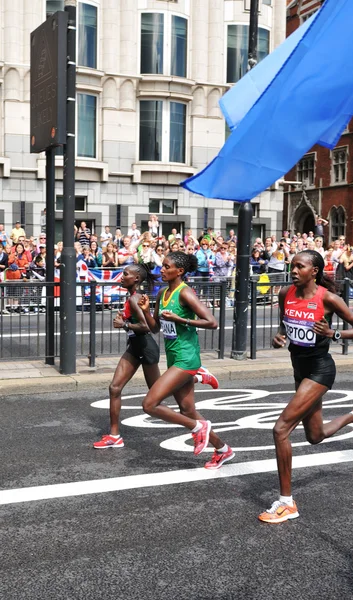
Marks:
<point>159,172</point>
<point>80,163</point>
<point>168,79</point>
<point>6,164</point>
<point>90,71</point>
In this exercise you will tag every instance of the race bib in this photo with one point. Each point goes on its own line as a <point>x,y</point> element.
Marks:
<point>168,329</point>
<point>300,333</point>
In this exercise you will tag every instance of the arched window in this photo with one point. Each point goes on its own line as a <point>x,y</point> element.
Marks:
<point>337,222</point>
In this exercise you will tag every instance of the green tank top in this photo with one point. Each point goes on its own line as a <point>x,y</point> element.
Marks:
<point>181,342</point>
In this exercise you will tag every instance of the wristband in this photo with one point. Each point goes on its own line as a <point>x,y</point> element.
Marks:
<point>126,326</point>
<point>336,336</point>
<point>187,324</point>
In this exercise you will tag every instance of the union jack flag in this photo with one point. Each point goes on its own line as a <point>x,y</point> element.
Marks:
<point>104,293</point>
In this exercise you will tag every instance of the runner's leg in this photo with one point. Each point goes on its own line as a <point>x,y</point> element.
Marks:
<point>185,398</point>
<point>315,429</point>
<point>125,370</point>
<point>308,394</point>
<point>151,374</point>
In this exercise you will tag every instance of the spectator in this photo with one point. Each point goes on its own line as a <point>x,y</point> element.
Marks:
<point>204,257</point>
<point>4,238</point>
<point>274,242</point>
<point>145,254</point>
<point>231,236</point>
<point>78,250</point>
<point>43,252</point>
<point>19,258</point>
<point>42,240</point>
<point>118,238</point>
<point>133,232</point>
<point>276,264</point>
<point>110,256</point>
<point>258,264</point>
<point>153,225</point>
<point>17,232</point>
<point>83,234</point>
<point>310,237</point>
<point>300,245</point>
<point>347,261</point>
<point>330,265</point>
<point>43,221</point>
<point>88,258</point>
<point>310,244</point>
<point>172,236</point>
<point>319,247</point>
<point>291,254</point>
<point>158,256</point>
<point>4,261</point>
<point>320,223</point>
<point>106,237</point>
<point>126,255</point>
<point>223,261</point>
<point>97,255</point>
<point>336,253</point>
<point>342,240</point>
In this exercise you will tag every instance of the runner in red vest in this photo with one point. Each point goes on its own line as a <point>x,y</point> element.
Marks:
<point>306,310</point>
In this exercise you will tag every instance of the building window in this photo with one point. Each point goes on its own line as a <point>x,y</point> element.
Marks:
<point>306,169</point>
<point>238,48</point>
<point>152,42</point>
<point>337,222</point>
<point>339,165</point>
<point>268,2</point>
<point>179,46</point>
<point>86,125</point>
<point>163,44</point>
<point>151,129</point>
<point>156,116</point>
<point>162,207</point>
<point>53,6</point>
<point>80,203</point>
<point>308,15</point>
<point>255,209</point>
<point>87,35</point>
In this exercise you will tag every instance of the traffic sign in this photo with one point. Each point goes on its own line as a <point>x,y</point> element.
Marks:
<point>48,83</point>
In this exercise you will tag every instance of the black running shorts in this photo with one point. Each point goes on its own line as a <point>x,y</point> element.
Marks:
<point>320,369</point>
<point>144,348</point>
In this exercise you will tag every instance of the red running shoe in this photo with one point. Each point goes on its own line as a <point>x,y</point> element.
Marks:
<point>108,441</point>
<point>208,378</point>
<point>218,458</point>
<point>201,437</point>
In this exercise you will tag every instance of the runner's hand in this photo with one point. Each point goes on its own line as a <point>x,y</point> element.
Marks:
<point>144,303</point>
<point>279,341</point>
<point>323,328</point>
<point>167,315</point>
<point>118,322</point>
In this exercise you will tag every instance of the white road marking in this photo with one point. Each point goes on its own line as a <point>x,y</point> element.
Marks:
<point>130,482</point>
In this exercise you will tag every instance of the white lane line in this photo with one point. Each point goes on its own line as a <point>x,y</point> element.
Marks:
<point>118,484</point>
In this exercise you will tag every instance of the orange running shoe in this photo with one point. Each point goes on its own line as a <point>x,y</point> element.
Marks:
<point>108,441</point>
<point>279,512</point>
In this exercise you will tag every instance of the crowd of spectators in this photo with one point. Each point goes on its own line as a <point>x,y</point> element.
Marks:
<point>216,255</point>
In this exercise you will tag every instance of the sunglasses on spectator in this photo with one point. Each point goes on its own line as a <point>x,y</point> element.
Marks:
<point>224,247</point>
<point>145,245</point>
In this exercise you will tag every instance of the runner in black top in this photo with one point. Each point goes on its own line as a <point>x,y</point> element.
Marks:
<point>306,309</point>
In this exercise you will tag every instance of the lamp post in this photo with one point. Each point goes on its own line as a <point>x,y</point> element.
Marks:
<point>68,257</point>
<point>240,317</point>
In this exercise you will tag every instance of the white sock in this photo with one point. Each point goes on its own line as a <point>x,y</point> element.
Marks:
<point>199,378</point>
<point>287,500</point>
<point>115,436</point>
<point>197,427</point>
<point>223,449</point>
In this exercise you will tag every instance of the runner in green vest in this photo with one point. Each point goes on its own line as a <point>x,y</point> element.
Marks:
<point>177,307</point>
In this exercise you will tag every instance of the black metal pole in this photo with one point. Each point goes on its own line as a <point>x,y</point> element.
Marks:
<point>240,320</point>
<point>253,33</point>
<point>68,257</point>
<point>50,233</point>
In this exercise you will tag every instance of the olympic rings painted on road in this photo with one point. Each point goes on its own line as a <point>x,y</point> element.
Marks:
<point>240,400</point>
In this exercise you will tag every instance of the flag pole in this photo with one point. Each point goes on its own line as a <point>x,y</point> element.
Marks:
<point>240,315</point>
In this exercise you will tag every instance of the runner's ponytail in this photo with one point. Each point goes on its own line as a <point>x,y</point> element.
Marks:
<point>188,262</point>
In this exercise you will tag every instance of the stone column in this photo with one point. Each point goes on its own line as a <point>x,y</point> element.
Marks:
<point>279,22</point>
<point>13,23</point>
<point>200,47</point>
<point>128,39</point>
<point>110,35</point>
<point>216,41</point>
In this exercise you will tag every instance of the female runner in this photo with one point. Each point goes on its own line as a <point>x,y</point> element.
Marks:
<point>306,309</point>
<point>174,313</point>
<point>141,349</point>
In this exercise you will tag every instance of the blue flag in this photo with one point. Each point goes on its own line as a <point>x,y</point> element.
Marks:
<point>309,100</point>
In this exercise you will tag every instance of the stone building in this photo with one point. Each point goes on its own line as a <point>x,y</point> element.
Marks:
<point>326,175</point>
<point>150,74</point>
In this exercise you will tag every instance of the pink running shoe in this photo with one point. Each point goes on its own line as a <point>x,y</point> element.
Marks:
<point>108,441</point>
<point>201,437</point>
<point>218,458</point>
<point>208,378</point>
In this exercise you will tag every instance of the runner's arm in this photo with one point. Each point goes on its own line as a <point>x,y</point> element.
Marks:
<point>141,326</point>
<point>279,341</point>
<point>205,320</point>
<point>335,304</point>
<point>152,321</point>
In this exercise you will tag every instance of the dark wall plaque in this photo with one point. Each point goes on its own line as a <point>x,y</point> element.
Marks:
<point>48,83</point>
